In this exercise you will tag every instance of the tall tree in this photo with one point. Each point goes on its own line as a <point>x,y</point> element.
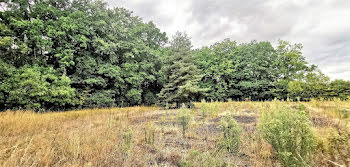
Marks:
<point>292,66</point>
<point>238,71</point>
<point>256,71</point>
<point>181,74</point>
<point>218,66</point>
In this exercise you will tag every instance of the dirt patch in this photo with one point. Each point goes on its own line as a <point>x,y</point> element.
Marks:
<point>215,119</point>
<point>198,118</point>
<point>167,123</point>
<point>141,119</point>
<point>250,128</point>
<point>171,159</point>
<point>326,107</point>
<point>248,111</point>
<point>211,129</point>
<point>189,143</point>
<point>245,119</point>
<point>138,120</point>
<point>163,114</point>
<point>323,122</point>
<point>178,143</point>
<point>156,116</point>
<point>148,149</point>
<point>239,119</point>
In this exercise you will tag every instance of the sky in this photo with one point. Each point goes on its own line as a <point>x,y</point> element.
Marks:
<point>321,26</point>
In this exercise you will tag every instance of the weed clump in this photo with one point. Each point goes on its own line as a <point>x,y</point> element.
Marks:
<point>184,118</point>
<point>127,136</point>
<point>290,134</point>
<point>339,145</point>
<point>209,109</point>
<point>205,109</point>
<point>150,133</point>
<point>231,134</point>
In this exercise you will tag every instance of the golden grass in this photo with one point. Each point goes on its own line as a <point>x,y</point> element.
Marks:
<point>74,138</point>
<point>116,136</point>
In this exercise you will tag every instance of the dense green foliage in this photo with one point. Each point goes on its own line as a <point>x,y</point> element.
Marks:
<point>258,71</point>
<point>289,133</point>
<point>37,87</point>
<point>181,74</point>
<point>238,71</point>
<point>74,54</point>
<point>91,56</point>
<point>232,134</point>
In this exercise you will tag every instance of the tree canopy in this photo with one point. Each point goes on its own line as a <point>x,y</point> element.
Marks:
<point>181,74</point>
<point>57,55</point>
<point>107,57</point>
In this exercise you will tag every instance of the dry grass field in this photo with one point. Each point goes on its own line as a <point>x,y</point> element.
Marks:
<point>150,136</point>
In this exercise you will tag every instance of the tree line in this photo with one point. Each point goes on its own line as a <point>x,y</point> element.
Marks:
<point>58,54</point>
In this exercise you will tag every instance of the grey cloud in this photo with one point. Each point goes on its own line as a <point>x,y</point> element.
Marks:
<point>146,9</point>
<point>143,7</point>
<point>322,26</point>
<point>258,19</point>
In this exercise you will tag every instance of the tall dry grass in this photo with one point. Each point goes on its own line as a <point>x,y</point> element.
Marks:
<point>148,136</point>
<point>73,138</point>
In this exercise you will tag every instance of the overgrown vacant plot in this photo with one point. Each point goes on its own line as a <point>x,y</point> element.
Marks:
<point>211,134</point>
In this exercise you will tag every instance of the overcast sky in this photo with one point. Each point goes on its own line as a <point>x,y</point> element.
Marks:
<point>322,26</point>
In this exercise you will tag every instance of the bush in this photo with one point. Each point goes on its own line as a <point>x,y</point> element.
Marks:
<point>100,99</point>
<point>339,145</point>
<point>149,98</point>
<point>204,108</point>
<point>127,136</point>
<point>231,134</point>
<point>34,87</point>
<point>290,134</point>
<point>134,97</point>
<point>184,117</point>
<point>209,109</point>
<point>150,133</point>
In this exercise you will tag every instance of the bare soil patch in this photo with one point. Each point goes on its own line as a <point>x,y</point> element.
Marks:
<point>245,119</point>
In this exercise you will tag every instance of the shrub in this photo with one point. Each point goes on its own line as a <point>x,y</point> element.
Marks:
<point>209,109</point>
<point>149,98</point>
<point>339,145</point>
<point>101,98</point>
<point>204,108</point>
<point>127,136</point>
<point>134,96</point>
<point>150,133</point>
<point>290,134</point>
<point>34,87</point>
<point>231,134</point>
<point>184,118</point>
